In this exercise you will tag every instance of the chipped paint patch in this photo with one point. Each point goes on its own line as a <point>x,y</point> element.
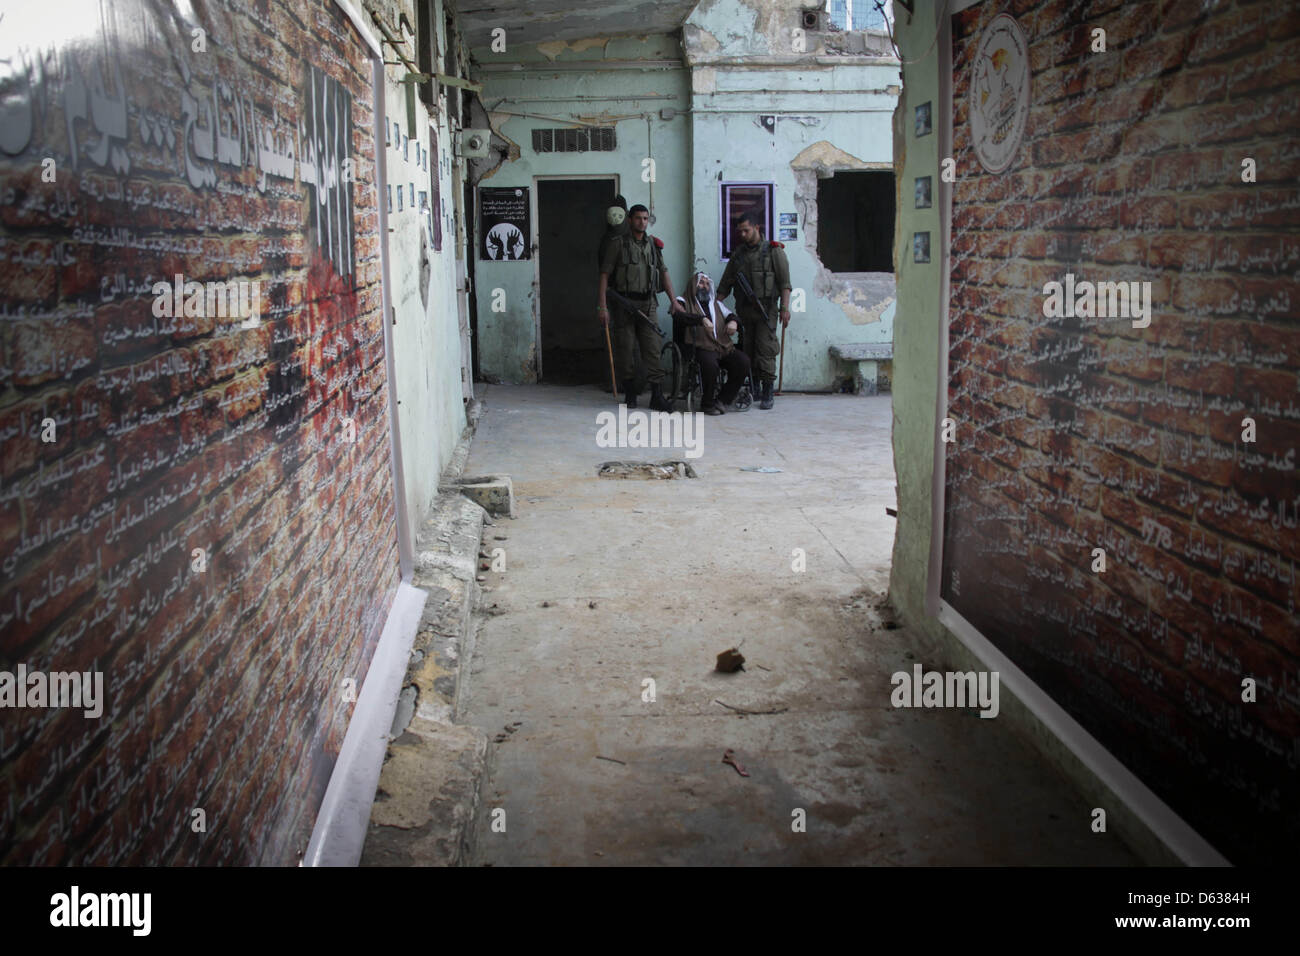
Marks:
<point>823,155</point>
<point>704,79</point>
<point>554,48</point>
<point>529,366</point>
<point>854,299</point>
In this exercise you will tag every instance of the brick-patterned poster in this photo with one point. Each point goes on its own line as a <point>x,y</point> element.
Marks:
<point>196,506</point>
<point>1121,495</point>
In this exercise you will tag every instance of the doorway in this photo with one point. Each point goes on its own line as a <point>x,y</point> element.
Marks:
<point>570,223</point>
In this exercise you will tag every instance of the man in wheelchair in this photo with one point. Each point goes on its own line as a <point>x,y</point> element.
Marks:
<point>709,327</point>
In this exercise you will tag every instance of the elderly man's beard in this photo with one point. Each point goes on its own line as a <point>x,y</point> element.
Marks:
<point>702,296</point>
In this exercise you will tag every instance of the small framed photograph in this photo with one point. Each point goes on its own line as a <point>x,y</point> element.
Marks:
<point>920,247</point>
<point>788,235</point>
<point>410,194</point>
<point>922,192</point>
<point>399,197</point>
<point>390,199</point>
<point>397,133</point>
<point>388,136</point>
<point>923,119</point>
<point>789,219</point>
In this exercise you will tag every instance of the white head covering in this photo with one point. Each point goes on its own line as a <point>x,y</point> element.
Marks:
<point>716,313</point>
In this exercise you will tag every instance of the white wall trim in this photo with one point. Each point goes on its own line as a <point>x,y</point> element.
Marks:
<point>363,26</point>
<point>1188,845</point>
<point>344,817</point>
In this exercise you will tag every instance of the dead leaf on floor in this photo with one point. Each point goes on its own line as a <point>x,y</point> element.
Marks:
<point>730,660</point>
<point>729,757</point>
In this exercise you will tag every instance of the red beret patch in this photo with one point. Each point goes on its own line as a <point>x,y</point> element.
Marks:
<point>659,242</point>
<point>777,245</point>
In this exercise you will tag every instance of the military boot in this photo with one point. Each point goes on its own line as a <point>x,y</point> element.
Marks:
<point>632,391</point>
<point>657,400</point>
<point>765,401</point>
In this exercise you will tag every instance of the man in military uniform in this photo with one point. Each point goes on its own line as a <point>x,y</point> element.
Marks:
<point>634,267</point>
<point>768,270</point>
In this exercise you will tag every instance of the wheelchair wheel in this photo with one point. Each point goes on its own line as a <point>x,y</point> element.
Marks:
<point>670,360</point>
<point>694,388</point>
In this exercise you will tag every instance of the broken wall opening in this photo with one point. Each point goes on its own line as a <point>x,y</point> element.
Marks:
<point>855,217</point>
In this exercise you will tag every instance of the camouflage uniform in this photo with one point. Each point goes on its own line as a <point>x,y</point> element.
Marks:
<point>634,268</point>
<point>768,271</point>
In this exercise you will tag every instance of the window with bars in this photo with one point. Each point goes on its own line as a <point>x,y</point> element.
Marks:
<point>859,14</point>
<point>596,139</point>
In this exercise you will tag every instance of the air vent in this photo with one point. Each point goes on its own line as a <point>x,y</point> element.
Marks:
<point>599,139</point>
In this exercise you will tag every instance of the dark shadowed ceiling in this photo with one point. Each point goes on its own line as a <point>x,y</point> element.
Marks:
<point>543,21</point>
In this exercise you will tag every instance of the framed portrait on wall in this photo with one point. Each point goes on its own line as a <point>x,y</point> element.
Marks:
<point>923,195</point>
<point>735,200</point>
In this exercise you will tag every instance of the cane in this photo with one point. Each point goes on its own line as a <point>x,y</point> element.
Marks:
<point>609,350</point>
<point>780,372</point>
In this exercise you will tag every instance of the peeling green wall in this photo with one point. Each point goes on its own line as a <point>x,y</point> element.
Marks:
<point>605,94</point>
<point>832,113</point>
<point>917,319</point>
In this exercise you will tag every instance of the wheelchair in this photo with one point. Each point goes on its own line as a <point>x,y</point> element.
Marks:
<point>682,379</point>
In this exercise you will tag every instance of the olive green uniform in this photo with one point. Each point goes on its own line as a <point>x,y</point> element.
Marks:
<point>768,271</point>
<point>634,268</point>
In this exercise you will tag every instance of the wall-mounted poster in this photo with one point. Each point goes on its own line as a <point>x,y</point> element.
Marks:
<point>923,192</point>
<point>504,226</point>
<point>738,199</point>
<point>923,120</point>
<point>921,247</point>
<point>788,235</point>
<point>1120,497</point>
<point>789,219</point>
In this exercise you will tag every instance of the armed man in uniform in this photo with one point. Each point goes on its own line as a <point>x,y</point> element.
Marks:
<point>768,270</point>
<point>634,267</point>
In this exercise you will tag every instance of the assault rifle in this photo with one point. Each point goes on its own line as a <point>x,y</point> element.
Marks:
<point>742,283</point>
<point>628,306</point>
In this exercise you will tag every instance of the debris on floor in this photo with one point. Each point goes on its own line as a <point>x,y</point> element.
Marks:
<point>729,757</point>
<point>645,469</point>
<point>730,660</point>
<point>762,469</point>
<point>744,712</point>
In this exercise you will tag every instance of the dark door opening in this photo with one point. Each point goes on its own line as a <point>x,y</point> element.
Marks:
<point>855,221</point>
<point>570,222</point>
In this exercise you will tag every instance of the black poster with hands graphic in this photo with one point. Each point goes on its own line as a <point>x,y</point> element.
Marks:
<point>503,223</point>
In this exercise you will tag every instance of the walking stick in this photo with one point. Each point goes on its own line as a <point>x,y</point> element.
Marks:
<point>609,350</point>
<point>780,372</point>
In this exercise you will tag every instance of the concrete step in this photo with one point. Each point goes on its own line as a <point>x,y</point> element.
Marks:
<point>428,796</point>
<point>428,793</point>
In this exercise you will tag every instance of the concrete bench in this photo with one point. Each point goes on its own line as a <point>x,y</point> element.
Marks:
<point>866,355</point>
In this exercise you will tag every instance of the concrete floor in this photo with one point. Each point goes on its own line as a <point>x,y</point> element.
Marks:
<point>652,579</point>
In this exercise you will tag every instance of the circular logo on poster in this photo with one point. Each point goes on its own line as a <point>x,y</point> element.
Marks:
<point>999,93</point>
